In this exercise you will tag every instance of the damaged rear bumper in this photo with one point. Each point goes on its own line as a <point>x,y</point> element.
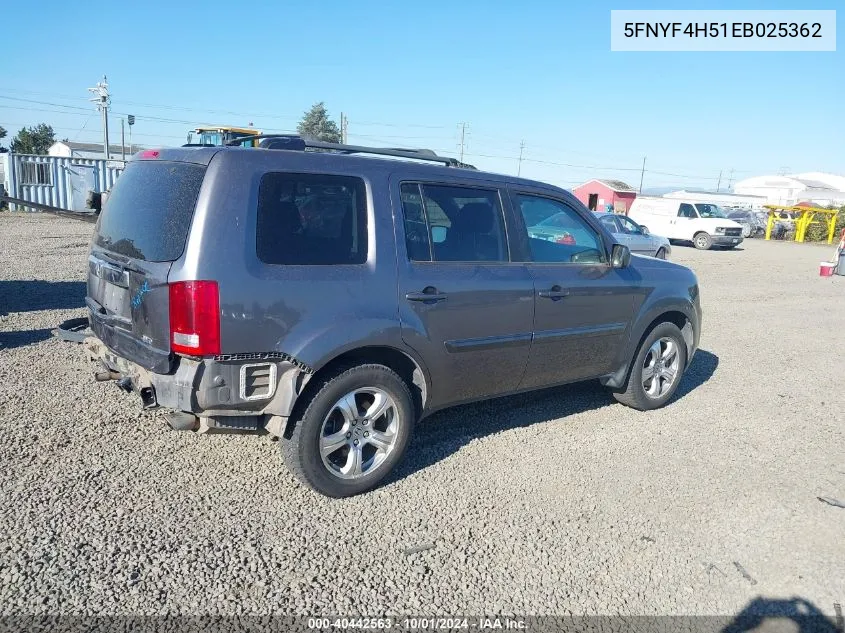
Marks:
<point>235,393</point>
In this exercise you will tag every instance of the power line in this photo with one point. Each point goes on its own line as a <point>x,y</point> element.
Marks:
<point>74,110</point>
<point>60,105</point>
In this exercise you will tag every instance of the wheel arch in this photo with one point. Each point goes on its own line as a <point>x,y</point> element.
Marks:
<point>410,369</point>
<point>703,232</point>
<point>676,315</point>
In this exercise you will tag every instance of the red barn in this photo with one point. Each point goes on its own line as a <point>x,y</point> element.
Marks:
<point>598,194</point>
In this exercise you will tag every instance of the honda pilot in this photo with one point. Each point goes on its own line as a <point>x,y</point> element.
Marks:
<point>332,296</point>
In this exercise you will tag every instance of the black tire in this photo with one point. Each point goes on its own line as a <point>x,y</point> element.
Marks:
<point>301,452</point>
<point>702,241</point>
<point>661,253</point>
<point>635,395</point>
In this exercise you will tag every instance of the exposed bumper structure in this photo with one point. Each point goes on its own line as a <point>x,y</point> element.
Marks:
<point>229,395</point>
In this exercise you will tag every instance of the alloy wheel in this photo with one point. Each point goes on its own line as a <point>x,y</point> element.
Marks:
<point>660,367</point>
<point>359,432</point>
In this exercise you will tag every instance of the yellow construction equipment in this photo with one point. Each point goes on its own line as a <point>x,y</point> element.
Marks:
<point>802,217</point>
<point>223,134</point>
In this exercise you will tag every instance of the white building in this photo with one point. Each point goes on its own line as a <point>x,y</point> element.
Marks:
<point>816,187</point>
<point>72,149</point>
<point>831,181</point>
<point>722,198</point>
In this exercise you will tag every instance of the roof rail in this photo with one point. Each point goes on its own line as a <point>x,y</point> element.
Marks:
<point>295,142</point>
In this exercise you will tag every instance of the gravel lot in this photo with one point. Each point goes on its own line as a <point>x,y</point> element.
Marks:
<point>552,503</point>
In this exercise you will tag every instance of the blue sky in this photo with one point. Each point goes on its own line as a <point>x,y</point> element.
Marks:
<point>408,73</point>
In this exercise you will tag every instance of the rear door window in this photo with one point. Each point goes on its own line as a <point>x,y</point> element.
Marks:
<point>461,224</point>
<point>148,212</point>
<point>311,220</point>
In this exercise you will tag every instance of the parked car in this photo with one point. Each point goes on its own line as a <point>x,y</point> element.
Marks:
<point>783,226</point>
<point>752,225</point>
<point>703,224</point>
<point>409,286</point>
<point>635,237</point>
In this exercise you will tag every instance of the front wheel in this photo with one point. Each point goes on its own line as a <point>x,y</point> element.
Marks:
<point>353,431</point>
<point>702,241</point>
<point>656,370</point>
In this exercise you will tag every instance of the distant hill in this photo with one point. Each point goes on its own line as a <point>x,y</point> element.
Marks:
<point>658,191</point>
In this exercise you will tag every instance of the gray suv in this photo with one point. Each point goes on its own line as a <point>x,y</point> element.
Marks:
<point>333,295</point>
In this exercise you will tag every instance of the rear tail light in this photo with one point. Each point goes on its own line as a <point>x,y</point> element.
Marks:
<point>565,239</point>
<point>149,153</point>
<point>195,318</point>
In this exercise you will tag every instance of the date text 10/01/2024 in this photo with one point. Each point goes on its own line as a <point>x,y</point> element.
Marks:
<point>723,29</point>
<point>418,623</point>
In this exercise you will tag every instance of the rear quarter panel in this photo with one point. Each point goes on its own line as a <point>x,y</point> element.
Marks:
<point>312,313</point>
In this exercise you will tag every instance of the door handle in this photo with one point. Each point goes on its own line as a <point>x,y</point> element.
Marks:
<point>429,293</point>
<point>555,292</point>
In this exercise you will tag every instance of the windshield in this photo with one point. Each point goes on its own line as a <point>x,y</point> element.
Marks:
<point>709,211</point>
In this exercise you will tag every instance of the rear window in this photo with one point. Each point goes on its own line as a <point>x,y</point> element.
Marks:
<point>149,210</point>
<point>311,219</point>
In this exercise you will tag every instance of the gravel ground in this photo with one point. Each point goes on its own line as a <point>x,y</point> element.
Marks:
<point>552,503</point>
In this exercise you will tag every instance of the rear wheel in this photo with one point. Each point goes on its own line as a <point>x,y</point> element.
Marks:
<point>353,431</point>
<point>702,241</point>
<point>656,370</point>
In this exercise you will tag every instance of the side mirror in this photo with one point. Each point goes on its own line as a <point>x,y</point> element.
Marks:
<point>620,257</point>
<point>644,230</point>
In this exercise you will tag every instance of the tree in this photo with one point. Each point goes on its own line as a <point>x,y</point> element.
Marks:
<point>2,132</point>
<point>317,125</point>
<point>34,140</point>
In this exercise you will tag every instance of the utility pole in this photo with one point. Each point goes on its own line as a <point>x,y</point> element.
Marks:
<point>342,128</point>
<point>103,100</point>
<point>130,119</point>
<point>463,139</point>
<point>122,142</point>
<point>719,184</point>
<point>642,174</point>
<point>521,148</point>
